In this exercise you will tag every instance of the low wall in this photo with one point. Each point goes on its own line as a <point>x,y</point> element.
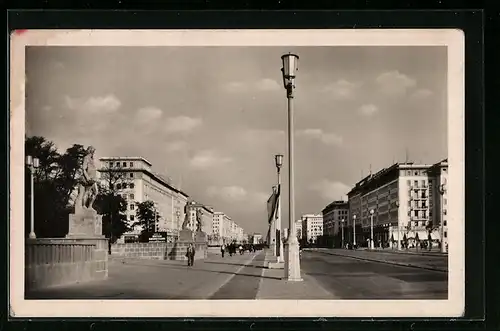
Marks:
<point>50,262</point>
<point>158,250</point>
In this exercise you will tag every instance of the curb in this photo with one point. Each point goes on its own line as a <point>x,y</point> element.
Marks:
<point>387,262</point>
<point>412,253</point>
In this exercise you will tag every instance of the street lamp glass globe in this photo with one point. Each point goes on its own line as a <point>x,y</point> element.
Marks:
<point>372,211</point>
<point>279,160</point>
<point>290,67</point>
<point>354,216</point>
<point>29,160</point>
<point>36,162</point>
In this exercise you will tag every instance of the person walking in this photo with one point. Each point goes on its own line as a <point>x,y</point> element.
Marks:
<point>190,255</point>
<point>223,249</point>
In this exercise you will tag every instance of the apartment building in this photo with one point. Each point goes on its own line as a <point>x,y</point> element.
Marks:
<point>135,180</point>
<point>403,199</point>
<point>312,227</point>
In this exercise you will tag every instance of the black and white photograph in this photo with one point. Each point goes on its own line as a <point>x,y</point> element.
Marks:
<point>237,173</point>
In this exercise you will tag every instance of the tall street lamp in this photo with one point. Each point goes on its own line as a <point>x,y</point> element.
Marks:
<point>371,228</point>
<point>354,228</point>
<point>442,191</point>
<point>279,163</point>
<point>342,221</point>
<point>33,164</point>
<point>292,261</point>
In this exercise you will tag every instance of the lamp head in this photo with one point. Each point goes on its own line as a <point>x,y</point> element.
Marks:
<point>278,160</point>
<point>29,160</point>
<point>372,211</point>
<point>289,69</point>
<point>354,217</point>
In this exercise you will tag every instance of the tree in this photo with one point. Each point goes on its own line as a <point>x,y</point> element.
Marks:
<point>146,216</point>
<point>112,205</point>
<point>54,182</point>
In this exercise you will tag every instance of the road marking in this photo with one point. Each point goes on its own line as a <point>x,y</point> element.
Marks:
<point>246,264</point>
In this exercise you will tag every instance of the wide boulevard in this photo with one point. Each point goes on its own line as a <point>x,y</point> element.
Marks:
<point>328,274</point>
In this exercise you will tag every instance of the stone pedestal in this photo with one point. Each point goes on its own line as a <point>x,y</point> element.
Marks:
<point>185,235</point>
<point>85,223</point>
<point>200,237</point>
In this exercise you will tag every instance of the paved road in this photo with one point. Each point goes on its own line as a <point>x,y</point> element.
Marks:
<point>348,278</point>
<point>243,277</point>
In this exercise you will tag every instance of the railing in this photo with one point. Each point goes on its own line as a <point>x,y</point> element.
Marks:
<point>57,253</point>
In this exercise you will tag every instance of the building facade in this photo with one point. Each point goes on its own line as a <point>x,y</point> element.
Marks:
<point>134,179</point>
<point>312,227</point>
<point>226,229</point>
<point>206,212</point>
<point>401,197</point>
<point>333,214</point>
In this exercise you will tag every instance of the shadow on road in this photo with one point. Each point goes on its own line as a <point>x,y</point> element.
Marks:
<point>240,264</point>
<point>194,268</point>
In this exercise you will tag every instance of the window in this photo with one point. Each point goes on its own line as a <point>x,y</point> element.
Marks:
<point>131,164</point>
<point>416,173</point>
<point>118,186</point>
<point>132,206</point>
<point>124,185</point>
<point>415,183</point>
<point>132,185</point>
<point>409,173</point>
<point>446,234</point>
<point>118,164</point>
<point>131,175</point>
<point>444,223</point>
<point>132,217</point>
<point>444,211</point>
<point>124,164</point>
<point>110,164</point>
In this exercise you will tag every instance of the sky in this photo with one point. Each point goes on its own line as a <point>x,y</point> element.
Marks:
<point>212,118</point>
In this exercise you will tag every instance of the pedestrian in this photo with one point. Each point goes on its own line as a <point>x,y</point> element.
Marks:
<point>223,249</point>
<point>190,255</point>
<point>241,249</point>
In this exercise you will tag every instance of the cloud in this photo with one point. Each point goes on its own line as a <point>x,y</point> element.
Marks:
<point>394,82</point>
<point>207,158</point>
<point>267,84</point>
<point>105,104</point>
<point>342,89</point>
<point>324,137</point>
<point>368,109</point>
<point>228,193</point>
<point>176,146</point>
<point>422,93</point>
<point>253,135</point>
<point>264,84</point>
<point>331,190</point>
<point>182,124</point>
<point>148,114</point>
<point>237,194</point>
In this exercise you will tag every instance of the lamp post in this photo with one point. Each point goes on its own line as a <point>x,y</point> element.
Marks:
<point>442,191</point>
<point>32,163</point>
<point>279,239</point>
<point>371,228</point>
<point>354,229</point>
<point>292,261</point>
<point>342,221</point>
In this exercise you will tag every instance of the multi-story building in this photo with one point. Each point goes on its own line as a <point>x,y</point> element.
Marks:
<point>206,217</point>
<point>226,229</point>
<point>134,179</point>
<point>298,229</point>
<point>438,196</point>
<point>312,227</point>
<point>333,215</point>
<point>257,239</point>
<point>401,197</point>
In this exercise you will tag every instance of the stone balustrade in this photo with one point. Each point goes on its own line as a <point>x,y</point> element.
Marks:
<point>157,250</point>
<point>50,262</point>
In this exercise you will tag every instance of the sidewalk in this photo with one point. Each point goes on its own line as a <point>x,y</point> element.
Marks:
<point>272,286</point>
<point>153,279</point>
<point>423,261</point>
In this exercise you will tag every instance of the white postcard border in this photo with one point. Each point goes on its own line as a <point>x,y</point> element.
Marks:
<point>453,307</point>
